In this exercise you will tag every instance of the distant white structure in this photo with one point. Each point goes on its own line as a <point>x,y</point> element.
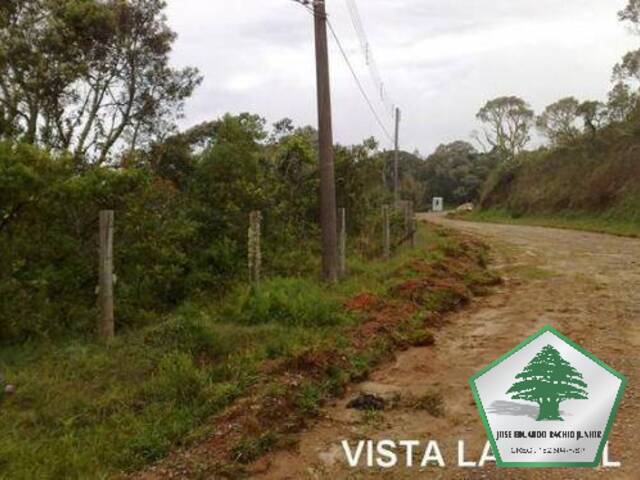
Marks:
<point>438,204</point>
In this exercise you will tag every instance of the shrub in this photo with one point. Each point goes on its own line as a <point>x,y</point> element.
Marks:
<point>287,301</point>
<point>177,379</point>
<point>48,243</point>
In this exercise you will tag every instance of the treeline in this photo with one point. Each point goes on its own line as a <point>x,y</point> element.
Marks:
<point>588,166</point>
<point>455,171</point>
<point>88,105</point>
<point>508,122</point>
<point>181,220</point>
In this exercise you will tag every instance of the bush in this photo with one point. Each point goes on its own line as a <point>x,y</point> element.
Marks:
<point>177,379</point>
<point>187,333</point>
<point>49,236</point>
<point>287,301</point>
<point>180,227</point>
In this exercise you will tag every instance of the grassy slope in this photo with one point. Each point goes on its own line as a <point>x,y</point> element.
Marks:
<point>601,223</point>
<point>89,411</point>
<point>589,185</point>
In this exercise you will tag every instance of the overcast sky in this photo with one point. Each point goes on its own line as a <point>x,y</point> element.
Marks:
<point>440,59</point>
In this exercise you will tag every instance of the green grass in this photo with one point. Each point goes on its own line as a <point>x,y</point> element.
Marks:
<point>602,223</point>
<point>85,410</point>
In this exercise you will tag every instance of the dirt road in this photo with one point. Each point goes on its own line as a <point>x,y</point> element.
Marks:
<point>586,285</point>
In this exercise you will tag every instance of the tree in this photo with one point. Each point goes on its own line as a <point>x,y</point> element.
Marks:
<point>88,75</point>
<point>594,116</point>
<point>558,121</point>
<point>629,69</point>
<point>509,121</point>
<point>456,171</point>
<point>631,13</point>
<point>621,102</point>
<point>282,128</point>
<point>549,380</point>
<point>621,99</point>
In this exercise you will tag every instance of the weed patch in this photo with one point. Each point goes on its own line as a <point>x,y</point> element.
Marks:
<point>432,402</point>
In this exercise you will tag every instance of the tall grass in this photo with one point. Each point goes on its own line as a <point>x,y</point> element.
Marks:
<point>607,222</point>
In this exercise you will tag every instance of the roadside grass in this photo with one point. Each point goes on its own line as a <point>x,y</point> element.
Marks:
<point>85,410</point>
<point>614,223</point>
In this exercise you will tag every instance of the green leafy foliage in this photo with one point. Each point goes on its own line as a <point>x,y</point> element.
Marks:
<point>587,185</point>
<point>88,76</point>
<point>181,222</point>
<point>286,301</point>
<point>86,410</point>
<point>48,239</point>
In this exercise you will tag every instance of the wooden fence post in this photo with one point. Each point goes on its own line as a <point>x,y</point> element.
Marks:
<point>342,242</point>
<point>386,232</point>
<point>409,222</point>
<point>106,328</point>
<point>255,253</point>
<point>414,233</point>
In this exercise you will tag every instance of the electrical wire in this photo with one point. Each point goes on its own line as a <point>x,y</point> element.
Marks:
<point>361,88</point>
<point>367,52</point>
<point>358,82</point>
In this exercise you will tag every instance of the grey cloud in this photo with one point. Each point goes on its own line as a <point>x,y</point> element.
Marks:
<point>441,60</point>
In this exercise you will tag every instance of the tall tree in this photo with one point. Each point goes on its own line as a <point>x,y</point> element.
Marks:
<point>629,69</point>
<point>456,171</point>
<point>623,98</point>
<point>508,123</point>
<point>621,102</point>
<point>631,14</point>
<point>88,75</point>
<point>594,116</point>
<point>558,121</point>
<point>549,380</point>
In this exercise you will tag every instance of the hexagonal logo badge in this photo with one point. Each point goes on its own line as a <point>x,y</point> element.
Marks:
<point>548,403</point>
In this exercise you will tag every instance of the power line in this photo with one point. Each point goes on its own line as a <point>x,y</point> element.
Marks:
<point>358,82</point>
<point>306,4</point>
<point>367,52</point>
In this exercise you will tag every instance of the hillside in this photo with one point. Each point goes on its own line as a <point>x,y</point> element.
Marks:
<point>590,184</point>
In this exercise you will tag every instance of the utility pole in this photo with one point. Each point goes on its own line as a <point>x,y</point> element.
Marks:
<point>106,329</point>
<point>328,213</point>
<point>396,178</point>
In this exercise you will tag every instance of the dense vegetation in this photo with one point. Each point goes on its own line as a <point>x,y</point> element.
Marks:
<point>590,184</point>
<point>587,175</point>
<point>181,221</point>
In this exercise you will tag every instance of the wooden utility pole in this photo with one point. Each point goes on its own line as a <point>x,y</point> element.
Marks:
<point>106,328</point>
<point>409,222</point>
<point>328,220</point>
<point>254,249</point>
<point>396,177</point>
<point>386,232</point>
<point>342,242</point>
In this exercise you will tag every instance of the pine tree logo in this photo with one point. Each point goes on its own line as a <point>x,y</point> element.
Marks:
<point>548,380</point>
<point>524,413</point>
